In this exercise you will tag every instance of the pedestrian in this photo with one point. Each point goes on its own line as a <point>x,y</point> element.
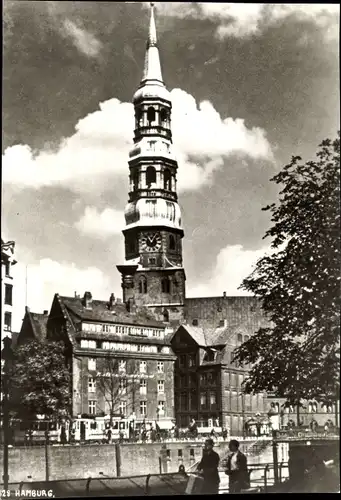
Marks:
<point>209,468</point>
<point>63,438</point>
<point>237,468</point>
<point>109,434</point>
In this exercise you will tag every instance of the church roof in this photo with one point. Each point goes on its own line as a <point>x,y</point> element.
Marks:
<point>100,312</point>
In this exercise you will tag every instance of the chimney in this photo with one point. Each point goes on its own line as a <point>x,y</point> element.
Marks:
<point>87,300</point>
<point>27,309</point>
<point>224,295</point>
<point>131,306</point>
<point>75,295</point>
<point>46,313</point>
<point>111,302</point>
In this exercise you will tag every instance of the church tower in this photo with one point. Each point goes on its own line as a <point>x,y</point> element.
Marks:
<point>153,274</point>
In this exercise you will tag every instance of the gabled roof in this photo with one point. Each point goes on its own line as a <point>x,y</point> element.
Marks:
<point>33,327</point>
<point>100,312</point>
<point>197,333</point>
<point>39,322</point>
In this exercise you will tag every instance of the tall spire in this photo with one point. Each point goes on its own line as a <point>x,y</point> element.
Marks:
<point>152,67</point>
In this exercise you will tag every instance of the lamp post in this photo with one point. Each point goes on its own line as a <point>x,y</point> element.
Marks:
<point>6,356</point>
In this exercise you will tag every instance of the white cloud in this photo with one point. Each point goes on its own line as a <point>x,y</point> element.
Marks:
<point>48,277</point>
<point>97,154</point>
<point>241,20</point>
<point>101,224</point>
<point>233,264</point>
<point>85,41</point>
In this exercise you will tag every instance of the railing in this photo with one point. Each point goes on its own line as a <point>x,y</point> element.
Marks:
<point>264,478</point>
<point>148,485</point>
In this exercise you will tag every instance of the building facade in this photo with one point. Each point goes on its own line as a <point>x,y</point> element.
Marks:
<point>208,384</point>
<point>7,287</point>
<point>153,273</point>
<point>120,358</point>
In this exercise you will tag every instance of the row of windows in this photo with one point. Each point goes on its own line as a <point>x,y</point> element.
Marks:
<point>187,360</point>
<point>150,177</point>
<point>123,330</point>
<point>154,116</point>
<point>123,405</point>
<point>122,366</point>
<point>123,385</point>
<point>312,408</point>
<point>114,346</point>
<point>125,347</point>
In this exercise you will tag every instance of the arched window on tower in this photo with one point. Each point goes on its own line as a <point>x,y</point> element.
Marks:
<point>150,115</point>
<point>135,180</point>
<point>165,316</point>
<point>143,284</point>
<point>150,176</point>
<point>171,242</point>
<point>164,117</point>
<point>167,180</point>
<point>165,285</point>
<point>138,117</point>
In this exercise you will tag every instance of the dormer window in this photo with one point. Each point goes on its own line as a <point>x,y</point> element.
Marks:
<point>210,355</point>
<point>87,300</point>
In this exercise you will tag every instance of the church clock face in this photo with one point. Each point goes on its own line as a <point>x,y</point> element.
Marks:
<point>151,242</point>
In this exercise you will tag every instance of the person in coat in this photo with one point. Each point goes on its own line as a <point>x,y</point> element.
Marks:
<point>236,468</point>
<point>208,466</point>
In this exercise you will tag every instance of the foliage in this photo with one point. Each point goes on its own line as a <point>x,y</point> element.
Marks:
<point>40,380</point>
<point>116,385</point>
<point>298,284</point>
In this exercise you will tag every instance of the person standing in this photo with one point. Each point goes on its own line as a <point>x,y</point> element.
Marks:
<point>209,468</point>
<point>237,468</point>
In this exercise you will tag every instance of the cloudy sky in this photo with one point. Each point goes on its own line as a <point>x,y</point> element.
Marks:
<point>252,85</point>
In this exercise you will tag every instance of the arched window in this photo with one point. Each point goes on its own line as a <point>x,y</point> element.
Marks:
<point>164,116</point>
<point>240,337</point>
<point>135,180</point>
<point>150,115</point>
<point>171,242</point>
<point>138,117</point>
<point>165,316</point>
<point>167,180</point>
<point>150,176</point>
<point>165,285</point>
<point>143,284</point>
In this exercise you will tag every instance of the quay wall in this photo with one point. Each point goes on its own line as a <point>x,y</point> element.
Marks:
<point>109,460</point>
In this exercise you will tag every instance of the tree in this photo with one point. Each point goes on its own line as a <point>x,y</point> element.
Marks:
<point>40,380</point>
<point>298,355</point>
<point>117,385</point>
